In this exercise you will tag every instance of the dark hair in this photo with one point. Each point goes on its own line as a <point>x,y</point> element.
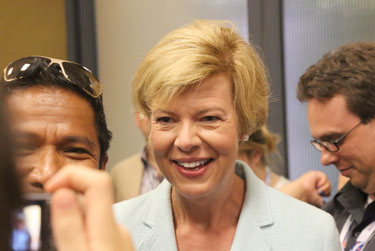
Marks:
<point>10,192</point>
<point>349,71</point>
<point>39,73</point>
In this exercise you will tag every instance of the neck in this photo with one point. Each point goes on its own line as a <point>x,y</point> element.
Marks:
<point>211,211</point>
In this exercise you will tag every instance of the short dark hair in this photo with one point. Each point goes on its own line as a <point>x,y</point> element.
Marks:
<point>349,71</point>
<point>43,75</point>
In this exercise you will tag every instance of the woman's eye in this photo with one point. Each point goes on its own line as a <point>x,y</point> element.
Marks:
<point>164,120</point>
<point>210,118</point>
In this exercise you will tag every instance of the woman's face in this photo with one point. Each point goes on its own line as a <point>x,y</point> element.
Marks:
<point>195,138</point>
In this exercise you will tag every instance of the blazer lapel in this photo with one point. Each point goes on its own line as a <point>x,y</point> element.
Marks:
<point>256,213</point>
<point>159,221</point>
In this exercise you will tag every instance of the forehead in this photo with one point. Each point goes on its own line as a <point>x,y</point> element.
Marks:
<point>42,108</point>
<point>329,116</point>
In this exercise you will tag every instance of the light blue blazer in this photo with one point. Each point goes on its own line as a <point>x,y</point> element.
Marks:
<point>269,220</point>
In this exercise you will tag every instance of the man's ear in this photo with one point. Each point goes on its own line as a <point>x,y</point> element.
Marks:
<point>104,162</point>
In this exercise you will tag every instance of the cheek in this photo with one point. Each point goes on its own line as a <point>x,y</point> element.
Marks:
<point>25,164</point>
<point>161,142</point>
<point>224,142</point>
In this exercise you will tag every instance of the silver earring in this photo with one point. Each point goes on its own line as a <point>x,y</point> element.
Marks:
<point>245,138</point>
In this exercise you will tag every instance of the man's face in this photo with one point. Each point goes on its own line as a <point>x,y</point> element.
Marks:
<point>52,127</point>
<point>356,157</point>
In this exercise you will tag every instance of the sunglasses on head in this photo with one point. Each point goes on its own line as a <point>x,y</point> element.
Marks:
<point>75,73</point>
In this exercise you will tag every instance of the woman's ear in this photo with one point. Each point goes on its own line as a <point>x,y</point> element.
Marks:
<point>244,138</point>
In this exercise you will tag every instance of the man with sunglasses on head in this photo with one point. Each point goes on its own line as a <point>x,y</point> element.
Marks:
<point>340,94</point>
<point>57,117</point>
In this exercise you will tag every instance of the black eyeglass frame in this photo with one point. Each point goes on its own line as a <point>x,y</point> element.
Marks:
<point>96,88</point>
<point>319,145</point>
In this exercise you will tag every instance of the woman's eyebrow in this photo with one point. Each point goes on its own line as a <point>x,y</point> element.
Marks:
<point>163,111</point>
<point>214,109</point>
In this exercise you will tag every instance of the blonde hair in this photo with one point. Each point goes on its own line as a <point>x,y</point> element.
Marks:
<point>188,55</point>
<point>263,140</point>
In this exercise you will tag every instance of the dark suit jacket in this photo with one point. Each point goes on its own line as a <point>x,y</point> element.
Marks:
<point>349,201</point>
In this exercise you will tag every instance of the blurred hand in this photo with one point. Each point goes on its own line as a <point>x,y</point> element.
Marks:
<point>310,188</point>
<point>81,211</point>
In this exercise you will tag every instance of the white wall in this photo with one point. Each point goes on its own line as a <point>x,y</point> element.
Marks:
<point>126,30</point>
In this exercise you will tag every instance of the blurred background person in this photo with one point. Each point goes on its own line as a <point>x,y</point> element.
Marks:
<point>21,238</point>
<point>56,111</point>
<point>204,90</point>
<point>260,153</point>
<point>139,173</point>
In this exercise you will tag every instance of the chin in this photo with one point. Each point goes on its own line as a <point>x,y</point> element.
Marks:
<point>193,191</point>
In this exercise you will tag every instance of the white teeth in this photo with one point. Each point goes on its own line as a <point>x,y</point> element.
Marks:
<point>192,165</point>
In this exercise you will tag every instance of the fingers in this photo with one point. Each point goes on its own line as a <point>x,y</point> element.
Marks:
<point>126,242</point>
<point>95,185</point>
<point>320,178</point>
<point>325,190</point>
<point>318,182</point>
<point>67,222</point>
<point>102,232</point>
<point>79,178</point>
<point>323,184</point>
<point>316,200</point>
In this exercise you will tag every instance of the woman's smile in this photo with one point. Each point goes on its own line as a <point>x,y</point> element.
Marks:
<point>192,169</point>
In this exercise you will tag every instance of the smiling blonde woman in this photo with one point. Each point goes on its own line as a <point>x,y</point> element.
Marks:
<point>204,89</point>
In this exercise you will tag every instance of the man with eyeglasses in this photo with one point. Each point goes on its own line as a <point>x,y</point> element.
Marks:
<point>340,94</point>
<point>57,117</point>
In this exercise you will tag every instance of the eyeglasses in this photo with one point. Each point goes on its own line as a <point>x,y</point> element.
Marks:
<point>332,145</point>
<point>75,73</point>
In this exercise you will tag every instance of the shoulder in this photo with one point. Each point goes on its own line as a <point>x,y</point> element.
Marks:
<point>127,177</point>
<point>128,163</point>
<point>133,211</point>
<point>294,208</point>
<point>302,222</point>
<point>287,223</point>
<point>297,225</point>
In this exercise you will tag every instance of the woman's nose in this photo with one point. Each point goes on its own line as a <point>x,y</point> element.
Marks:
<point>187,138</point>
<point>328,158</point>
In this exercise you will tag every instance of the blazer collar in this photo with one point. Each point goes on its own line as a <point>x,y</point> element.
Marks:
<point>159,221</point>
<point>255,214</point>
